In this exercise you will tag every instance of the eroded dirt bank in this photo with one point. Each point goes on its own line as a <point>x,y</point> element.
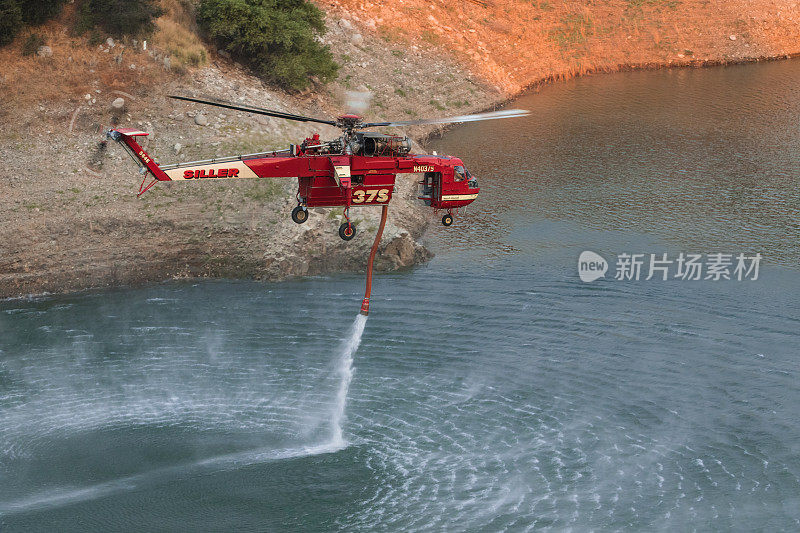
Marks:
<point>68,224</point>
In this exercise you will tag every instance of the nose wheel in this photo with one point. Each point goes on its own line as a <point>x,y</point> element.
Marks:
<point>299,214</point>
<point>447,220</point>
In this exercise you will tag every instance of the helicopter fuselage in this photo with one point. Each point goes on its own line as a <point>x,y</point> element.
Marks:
<point>327,179</point>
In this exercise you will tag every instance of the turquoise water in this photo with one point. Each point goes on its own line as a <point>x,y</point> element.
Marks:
<point>492,389</point>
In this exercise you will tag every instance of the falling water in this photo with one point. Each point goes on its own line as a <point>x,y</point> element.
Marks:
<point>345,371</point>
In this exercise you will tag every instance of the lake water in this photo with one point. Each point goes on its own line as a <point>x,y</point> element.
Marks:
<point>492,389</point>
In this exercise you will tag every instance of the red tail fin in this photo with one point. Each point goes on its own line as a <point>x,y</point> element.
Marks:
<point>125,137</point>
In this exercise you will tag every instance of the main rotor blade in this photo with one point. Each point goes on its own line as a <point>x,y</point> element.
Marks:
<point>253,109</point>
<point>492,115</point>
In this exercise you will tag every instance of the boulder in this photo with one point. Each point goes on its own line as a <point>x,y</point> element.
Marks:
<point>200,119</point>
<point>119,103</point>
<point>44,51</point>
<point>401,251</point>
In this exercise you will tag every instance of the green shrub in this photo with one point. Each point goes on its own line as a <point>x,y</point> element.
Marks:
<point>118,17</point>
<point>38,11</point>
<point>10,21</point>
<point>32,44</point>
<point>274,37</point>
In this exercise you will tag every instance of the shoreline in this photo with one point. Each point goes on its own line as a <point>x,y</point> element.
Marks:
<point>234,268</point>
<point>64,232</point>
<point>627,67</point>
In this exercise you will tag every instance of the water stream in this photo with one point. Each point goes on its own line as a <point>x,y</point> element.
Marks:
<point>345,373</point>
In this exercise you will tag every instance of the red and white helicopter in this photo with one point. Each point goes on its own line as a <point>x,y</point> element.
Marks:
<point>357,169</point>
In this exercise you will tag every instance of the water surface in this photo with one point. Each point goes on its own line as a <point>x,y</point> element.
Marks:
<point>493,390</point>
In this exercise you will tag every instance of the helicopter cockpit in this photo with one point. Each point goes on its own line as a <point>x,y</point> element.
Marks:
<point>462,174</point>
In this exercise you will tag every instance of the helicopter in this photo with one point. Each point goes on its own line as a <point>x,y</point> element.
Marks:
<point>359,168</point>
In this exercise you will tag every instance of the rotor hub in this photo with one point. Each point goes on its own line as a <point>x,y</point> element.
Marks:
<point>349,122</point>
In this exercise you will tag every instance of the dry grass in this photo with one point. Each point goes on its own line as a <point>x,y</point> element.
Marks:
<point>75,68</point>
<point>181,43</point>
<point>514,43</point>
<point>177,34</point>
<point>78,68</point>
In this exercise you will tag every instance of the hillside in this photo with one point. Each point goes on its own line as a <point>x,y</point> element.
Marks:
<point>67,223</point>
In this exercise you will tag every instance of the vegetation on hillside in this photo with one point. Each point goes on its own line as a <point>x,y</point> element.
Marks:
<point>114,17</point>
<point>38,11</point>
<point>119,17</point>
<point>10,20</point>
<point>16,14</point>
<point>177,34</point>
<point>276,38</point>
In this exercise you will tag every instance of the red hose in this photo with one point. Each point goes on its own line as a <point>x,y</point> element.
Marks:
<point>365,303</point>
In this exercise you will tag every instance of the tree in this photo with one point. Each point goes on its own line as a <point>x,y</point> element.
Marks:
<point>10,21</point>
<point>120,17</point>
<point>38,11</point>
<point>277,38</point>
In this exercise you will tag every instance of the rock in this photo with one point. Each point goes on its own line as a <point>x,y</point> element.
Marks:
<point>177,148</point>
<point>167,63</point>
<point>345,24</point>
<point>200,119</point>
<point>401,251</point>
<point>44,51</point>
<point>132,66</point>
<point>119,103</point>
<point>110,42</point>
<point>356,38</point>
<point>224,53</point>
<point>732,37</point>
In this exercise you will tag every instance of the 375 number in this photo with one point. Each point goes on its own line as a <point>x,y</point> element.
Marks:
<point>369,197</point>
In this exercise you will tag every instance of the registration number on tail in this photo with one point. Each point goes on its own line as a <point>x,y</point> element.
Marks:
<point>371,196</point>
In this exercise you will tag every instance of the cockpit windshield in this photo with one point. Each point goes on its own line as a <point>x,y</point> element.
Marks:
<point>461,173</point>
<point>473,181</point>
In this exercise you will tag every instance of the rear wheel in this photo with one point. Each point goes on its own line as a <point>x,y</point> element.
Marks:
<point>447,220</point>
<point>299,214</point>
<point>347,231</point>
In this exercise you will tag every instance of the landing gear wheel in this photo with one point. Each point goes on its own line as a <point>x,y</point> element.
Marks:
<point>299,214</point>
<point>347,231</point>
<point>447,220</point>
